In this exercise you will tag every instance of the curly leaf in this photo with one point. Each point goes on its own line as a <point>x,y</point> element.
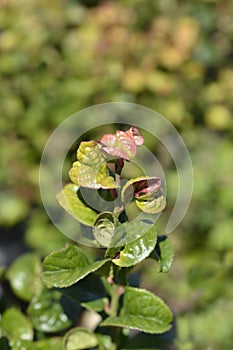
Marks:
<point>140,248</point>
<point>147,193</point>
<point>142,310</point>
<point>123,144</point>
<point>90,170</point>
<point>69,200</point>
<point>104,228</point>
<point>67,266</point>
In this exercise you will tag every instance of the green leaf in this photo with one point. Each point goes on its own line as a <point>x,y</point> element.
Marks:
<point>79,338</point>
<point>51,344</point>
<point>67,266</point>
<point>68,198</point>
<point>142,310</point>
<point>95,305</point>
<point>163,253</point>
<point>47,314</point>
<point>147,193</point>
<point>91,169</point>
<point>140,248</point>
<point>24,276</point>
<point>104,228</point>
<point>15,325</point>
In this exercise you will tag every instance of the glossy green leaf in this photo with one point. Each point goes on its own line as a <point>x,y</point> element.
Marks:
<point>47,314</point>
<point>104,228</point>
<point>139,249</point>
<point>163,253</point>
<point>24,276</point>
<point>68,198</point>
<point>15,325</point>
<point>97,305</point>
<point>79,338</point>
<point>142,310</point>
<point>90,170</point>
<point>147,193</point>
<point>67,266</point>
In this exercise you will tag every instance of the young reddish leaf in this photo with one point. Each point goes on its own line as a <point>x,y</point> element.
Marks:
<point>91,170</point>
<point>123,144</point>
<point>147,192</point>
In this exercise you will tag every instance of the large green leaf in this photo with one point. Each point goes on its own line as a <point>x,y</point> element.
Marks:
<point>47,314</point>
<point>140,248</point>
<point>142,310</point>
<point>147,193</point>
<point>68,198</point>
<point>91,169</point>
<point>68,265</point>
<point>15,325</point>
<point>24,276</point>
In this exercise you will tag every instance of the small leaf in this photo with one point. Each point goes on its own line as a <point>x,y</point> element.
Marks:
<point>24,276</point>
<point>70,201</point>
<point>163,253</point>
<point>15,325</point>
<point>97,305</point>
<point>47,314</point>
<point>91,169</point>
<point>147,193</point>
<point>104,228</point>
<point>122,144</point>
<point>67,266</point>
<point>79,338</point>
<point>142,310</point>
<point>140,248</point>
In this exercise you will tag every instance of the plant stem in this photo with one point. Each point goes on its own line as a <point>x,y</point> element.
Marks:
<point>114,300</point>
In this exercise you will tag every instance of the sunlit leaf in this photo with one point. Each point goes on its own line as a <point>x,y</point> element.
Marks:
<point>140,248</point>
<point>142,310</point>
<point>90,170</point>
<point>68,198</point>
<point>122,144</point>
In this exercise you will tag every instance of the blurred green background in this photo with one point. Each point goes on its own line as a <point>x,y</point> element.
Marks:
<point>57,57</point>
